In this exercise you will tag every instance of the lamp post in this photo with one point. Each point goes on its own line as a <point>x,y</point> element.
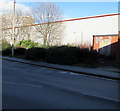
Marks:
<point>13,28</point>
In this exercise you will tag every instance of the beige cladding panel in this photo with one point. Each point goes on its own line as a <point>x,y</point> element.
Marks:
<point>83,30</point>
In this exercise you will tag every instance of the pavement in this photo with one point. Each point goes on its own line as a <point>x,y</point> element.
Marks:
<point>108,73</point>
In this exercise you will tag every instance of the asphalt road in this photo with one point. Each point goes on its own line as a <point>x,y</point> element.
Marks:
<point>32,87</point>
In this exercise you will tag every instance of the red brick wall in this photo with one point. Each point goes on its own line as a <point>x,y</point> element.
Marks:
<point>95,46</point>
<point>114,44</point>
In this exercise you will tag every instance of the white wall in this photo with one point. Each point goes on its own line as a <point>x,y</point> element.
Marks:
<point>82,31</point>
<point>118,22</point>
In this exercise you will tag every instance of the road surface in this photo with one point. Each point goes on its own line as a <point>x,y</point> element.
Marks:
<point>32,87</point>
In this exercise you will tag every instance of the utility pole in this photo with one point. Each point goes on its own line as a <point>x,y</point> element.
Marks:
<point>13,36</point>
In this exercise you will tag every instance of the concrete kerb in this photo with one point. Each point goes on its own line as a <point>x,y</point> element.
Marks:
<point>62,67</point>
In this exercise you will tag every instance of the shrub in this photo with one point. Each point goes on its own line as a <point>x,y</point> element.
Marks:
<point>4,45</point>
<point>87,56</point>
<point>62,55</point>
<point>82,54</point>
<point>27,44</point>
<point>93,57</point>
<point>0,52</point>
<point>19,51</point>
<point>35,53</point>
<point>7,52</point>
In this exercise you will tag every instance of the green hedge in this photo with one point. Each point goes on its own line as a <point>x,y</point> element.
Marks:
<point>20,51</point>
<point>67,55</point>
<point>35,53</point>
<point>62,55</point>
<point>7,52</point>
<point>72,55</point>
<point>88,56</point>
<point>17,51</point>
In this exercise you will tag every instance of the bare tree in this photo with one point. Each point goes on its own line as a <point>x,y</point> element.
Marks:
<point>46,15</point>
<point>26,31</point>
<point>20,32</point>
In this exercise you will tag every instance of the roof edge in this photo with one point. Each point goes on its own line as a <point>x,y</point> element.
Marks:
<point>105,35</point>
<point>97,16</point>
